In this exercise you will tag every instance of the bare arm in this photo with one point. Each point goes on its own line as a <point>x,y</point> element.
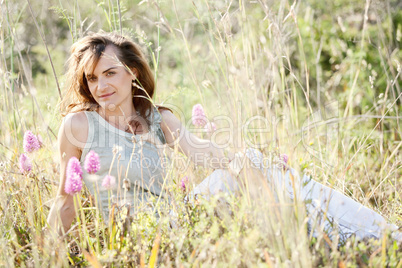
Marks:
<point>71,139</point>
<point>201,152</point>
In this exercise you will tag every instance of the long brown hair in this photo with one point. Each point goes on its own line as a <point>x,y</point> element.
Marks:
<point>86,52</point>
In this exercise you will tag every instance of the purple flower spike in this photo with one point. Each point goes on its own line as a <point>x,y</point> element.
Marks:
<point>109,182</point>
<point>284,158</point>
<point>92,163</point>
<point>74,166</point>
<point>31,142</point>
<point>73,176</point>
<point>183,183</point>
<point>73,184</point>
<point>198,116</point>
<point>25,164</point>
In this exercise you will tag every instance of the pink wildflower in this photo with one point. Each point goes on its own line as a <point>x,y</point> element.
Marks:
<point>73,176</point>
<point>198,116</point>
<point>183,183</point>
<point>31,142</point>
<point>284,158</point>
<point>25,164</point>
<point>73,184</point>
<point>74,166</point>
<point>109,182</point>
<point>92,163</point>
<point>210,127</point>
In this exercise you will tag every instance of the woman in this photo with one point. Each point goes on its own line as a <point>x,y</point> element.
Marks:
<point>108,107</point>
<point>109,110</point>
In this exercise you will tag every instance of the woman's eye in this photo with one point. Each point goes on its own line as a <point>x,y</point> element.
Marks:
<point>91,79</point>
<point>110,73</point>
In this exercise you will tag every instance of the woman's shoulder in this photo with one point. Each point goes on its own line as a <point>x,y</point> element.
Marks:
<point>169,121</point>
<point>76,120</point>
<point>75,128</point>
<point>165,113</point>
<point>160,112</point>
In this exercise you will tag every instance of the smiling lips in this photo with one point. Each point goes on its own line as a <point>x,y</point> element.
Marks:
<point>106,95</point>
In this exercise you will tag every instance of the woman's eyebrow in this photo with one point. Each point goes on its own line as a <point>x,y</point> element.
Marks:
<point>92,75</point>
<point>109,69</point>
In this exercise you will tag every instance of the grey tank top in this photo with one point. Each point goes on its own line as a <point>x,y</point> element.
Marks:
<point>138,163</point>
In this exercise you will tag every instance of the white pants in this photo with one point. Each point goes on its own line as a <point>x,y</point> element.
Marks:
<point>343,213</point>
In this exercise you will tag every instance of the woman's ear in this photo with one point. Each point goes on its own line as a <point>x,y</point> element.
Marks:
<point>134,72</point>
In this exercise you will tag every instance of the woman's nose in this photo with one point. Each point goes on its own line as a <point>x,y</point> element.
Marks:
<point>102,83</point>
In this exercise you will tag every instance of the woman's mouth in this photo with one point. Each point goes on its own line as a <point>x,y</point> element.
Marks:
<point>106,95</point>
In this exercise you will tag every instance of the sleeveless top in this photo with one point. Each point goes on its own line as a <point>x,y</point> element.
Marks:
<point>138,163</point>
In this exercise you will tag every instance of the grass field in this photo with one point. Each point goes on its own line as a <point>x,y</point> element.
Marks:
<point>320,79</point>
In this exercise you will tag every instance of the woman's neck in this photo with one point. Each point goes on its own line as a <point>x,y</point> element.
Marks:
<point>117,116</point>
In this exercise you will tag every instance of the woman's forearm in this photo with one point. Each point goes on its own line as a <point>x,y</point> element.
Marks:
<point>207,154</point>
<point>61,214</point>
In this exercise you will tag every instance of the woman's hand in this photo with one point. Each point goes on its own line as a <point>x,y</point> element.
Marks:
<point>251,179</point>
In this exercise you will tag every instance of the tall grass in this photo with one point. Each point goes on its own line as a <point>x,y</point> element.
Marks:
<point>325,77</point>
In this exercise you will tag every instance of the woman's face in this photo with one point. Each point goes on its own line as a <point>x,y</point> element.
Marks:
<point>111,84</point>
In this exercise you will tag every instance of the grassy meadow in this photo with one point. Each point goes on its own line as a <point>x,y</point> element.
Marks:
<point>317,80</point>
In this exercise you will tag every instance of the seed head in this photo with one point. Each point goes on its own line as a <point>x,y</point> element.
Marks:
<point>126,184</point>
<point>116,149</point>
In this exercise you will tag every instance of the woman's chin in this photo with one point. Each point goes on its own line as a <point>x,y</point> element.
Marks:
<point>107,106</point>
